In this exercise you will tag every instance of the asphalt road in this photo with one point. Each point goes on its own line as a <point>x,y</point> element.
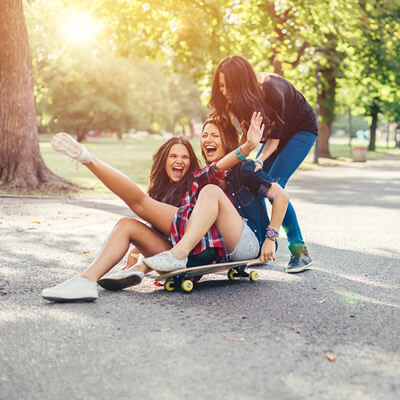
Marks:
<point>226,340</point>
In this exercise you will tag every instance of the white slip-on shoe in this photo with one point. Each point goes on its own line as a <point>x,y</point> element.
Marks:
<point>73,289</point>
<point>121,279</point>
<point>66,144</point>
<point>165,262</point>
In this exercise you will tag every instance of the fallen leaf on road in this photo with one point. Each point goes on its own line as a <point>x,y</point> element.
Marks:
<point>330,357</point>
<point>322,301</point>
<point>35,222</point>
<point>229,339</point>
<point>86,251</point>
<point>351,316</point>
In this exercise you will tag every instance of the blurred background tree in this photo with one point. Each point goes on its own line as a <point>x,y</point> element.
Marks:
<point>84,86</point>
<point>144,65</point>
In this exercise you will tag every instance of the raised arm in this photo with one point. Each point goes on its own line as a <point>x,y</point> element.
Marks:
<point>254,135</point>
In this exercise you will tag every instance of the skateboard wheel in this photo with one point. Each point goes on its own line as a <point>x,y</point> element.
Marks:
<point>169,286</point>
<point>253,276</point>
<point>187,285</point>
<point>232,275</point>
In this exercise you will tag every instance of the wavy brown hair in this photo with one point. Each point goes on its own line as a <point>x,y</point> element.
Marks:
<point>161,188</point>
<point>246,96</point>
<point>229,142</point>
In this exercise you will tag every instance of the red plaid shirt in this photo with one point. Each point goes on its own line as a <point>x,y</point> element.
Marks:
<point>202,177</point>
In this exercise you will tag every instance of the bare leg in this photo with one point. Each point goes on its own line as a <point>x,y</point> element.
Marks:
<point>132,259</point>
<point>158,214</point>
<point>212,208</point>
<point>127,230</point>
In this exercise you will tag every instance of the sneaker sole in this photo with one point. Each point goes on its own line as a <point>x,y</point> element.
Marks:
<point>119,284</point>
<point>64,144</point>
<point>164,270</point>
<point>64,300</point>
<point>295,270</point>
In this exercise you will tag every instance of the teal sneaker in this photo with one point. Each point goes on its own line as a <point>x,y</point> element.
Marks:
<point>300,259</point>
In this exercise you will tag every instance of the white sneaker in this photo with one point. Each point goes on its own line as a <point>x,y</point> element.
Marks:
<point>66,144</point>
<point>73,289</point>
<point>165,262</point>
<point>121,279</point>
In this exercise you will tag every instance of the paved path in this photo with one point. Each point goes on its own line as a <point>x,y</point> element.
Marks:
<point>226,340</point>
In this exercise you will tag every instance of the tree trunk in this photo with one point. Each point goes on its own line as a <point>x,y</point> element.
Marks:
<point>81,134</point>
<point>328,70</point>
<point>323,139</point>
<point>372,136</point>
<point>21,165</point>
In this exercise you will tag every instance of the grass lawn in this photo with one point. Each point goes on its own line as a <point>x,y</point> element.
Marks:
<point>133,156</point>
<point>341,151</point>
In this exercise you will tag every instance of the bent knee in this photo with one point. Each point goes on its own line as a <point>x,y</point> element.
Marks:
<point>211,190</point>
<point>126,223</point>
<point>277,191</point>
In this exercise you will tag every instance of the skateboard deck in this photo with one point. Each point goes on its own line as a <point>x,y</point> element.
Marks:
<point>184,278</point>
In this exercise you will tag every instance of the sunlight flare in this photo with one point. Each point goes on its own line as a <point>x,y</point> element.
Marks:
<point>80,27</point>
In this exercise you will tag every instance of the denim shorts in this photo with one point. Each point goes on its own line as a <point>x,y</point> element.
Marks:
<point>247,247</point>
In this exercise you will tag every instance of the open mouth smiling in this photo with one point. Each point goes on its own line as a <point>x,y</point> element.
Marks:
<point>177,171</point>
<point>210,150</point>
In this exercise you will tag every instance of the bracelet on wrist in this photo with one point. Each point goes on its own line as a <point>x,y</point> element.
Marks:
<point>271,234</point>
<point>239,154</point>
<point>259,162</point>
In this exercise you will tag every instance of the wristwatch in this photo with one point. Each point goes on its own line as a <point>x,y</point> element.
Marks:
<point>271,234</point>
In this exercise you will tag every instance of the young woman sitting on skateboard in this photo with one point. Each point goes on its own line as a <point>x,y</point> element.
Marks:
<point>164,217</point>
<point>213,207</point>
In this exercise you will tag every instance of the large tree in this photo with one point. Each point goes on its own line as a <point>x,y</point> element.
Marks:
<point>21,165</point>
<point>379,58</point>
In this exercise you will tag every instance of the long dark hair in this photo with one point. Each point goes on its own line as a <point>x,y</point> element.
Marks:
<point>246,96</point>
<point>160,187</point>
<point>229,142</point>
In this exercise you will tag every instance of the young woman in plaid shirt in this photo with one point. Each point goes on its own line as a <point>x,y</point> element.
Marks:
<point>160,215</point>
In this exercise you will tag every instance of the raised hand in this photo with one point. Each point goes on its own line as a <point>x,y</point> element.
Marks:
<point>256,130</point>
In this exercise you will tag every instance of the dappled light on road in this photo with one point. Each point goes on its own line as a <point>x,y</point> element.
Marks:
<point>352,298</point>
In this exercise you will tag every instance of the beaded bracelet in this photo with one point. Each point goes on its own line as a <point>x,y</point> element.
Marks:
<point>271,233</point>
<point>239,154</point>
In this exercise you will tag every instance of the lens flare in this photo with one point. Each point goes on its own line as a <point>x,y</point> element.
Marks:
<point>80,28</point>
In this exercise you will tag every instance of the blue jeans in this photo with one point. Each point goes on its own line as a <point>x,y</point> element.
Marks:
<point>281,166</point>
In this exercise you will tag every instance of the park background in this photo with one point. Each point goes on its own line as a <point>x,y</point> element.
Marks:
<point>115,71</point>
<point>118,68</point>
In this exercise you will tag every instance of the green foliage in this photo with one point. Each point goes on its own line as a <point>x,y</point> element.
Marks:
<point>87,86</point>
<point>355,44</point>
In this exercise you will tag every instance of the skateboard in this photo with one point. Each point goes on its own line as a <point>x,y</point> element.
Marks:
<point>185,278</point>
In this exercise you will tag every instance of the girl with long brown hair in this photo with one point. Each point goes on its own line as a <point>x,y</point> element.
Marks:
<point>167,219</point>
<point>290,130</point>
<point>171,175</point>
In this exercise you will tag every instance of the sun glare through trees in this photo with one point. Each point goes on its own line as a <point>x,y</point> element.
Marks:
<point>80,27</point>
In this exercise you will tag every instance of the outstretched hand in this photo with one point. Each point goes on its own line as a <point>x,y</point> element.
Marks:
<point>256,130</point>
